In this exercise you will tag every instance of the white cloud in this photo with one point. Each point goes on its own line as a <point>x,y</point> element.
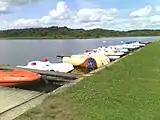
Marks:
<point>89,18</point>
<point>157,8</point>
<point>96,15</point>
<point>21,23</point>
<point>5,5</point>
<point>83,18</point>
<point>155,20</point>
<point>142,12</point>
<point>63,16</point>
<point>61,12</point>
<point>46,20</point>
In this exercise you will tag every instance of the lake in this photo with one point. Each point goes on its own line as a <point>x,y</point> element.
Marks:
<point>20,52</point>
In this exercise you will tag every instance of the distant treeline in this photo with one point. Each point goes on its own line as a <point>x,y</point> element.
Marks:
<point>64,32</point>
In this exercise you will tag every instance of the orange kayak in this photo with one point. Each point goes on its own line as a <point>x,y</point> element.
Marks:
<point>14,77</point>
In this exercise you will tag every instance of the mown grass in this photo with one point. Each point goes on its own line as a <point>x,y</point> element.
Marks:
<point>127,90</point>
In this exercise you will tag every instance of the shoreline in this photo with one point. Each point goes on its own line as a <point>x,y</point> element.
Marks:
<point>52,38</point>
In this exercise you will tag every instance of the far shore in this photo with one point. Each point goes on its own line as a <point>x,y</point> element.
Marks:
<point>55,32</point>
<point>8,38</point>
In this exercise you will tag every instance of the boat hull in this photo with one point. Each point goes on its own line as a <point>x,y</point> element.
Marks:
<point>115,54</point>
<point>19,84</point>
<point>109,51</point>
<point>17,77</point>
<point>47,66</point>
<point>113,57</point>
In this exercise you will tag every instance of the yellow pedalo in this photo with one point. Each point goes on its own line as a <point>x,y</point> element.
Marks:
<point>100,57</point>
<point>91,60</point>
<point>81,60</point>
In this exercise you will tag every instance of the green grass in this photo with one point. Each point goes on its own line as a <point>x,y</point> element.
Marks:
<point>127,90</point>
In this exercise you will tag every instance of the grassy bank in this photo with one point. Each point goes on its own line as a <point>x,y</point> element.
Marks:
<point>127,90</point>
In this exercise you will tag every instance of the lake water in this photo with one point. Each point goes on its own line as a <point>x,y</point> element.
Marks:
<point>20,52</point>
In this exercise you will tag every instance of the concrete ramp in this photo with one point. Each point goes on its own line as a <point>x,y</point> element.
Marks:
<point>11,98</point>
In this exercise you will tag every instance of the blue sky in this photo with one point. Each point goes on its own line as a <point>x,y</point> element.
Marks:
<point>87,14</point>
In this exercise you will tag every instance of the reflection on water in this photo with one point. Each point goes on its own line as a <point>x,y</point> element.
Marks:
<point>20,52</point>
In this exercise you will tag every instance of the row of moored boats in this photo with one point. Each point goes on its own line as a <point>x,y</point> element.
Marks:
<point>90,59</point>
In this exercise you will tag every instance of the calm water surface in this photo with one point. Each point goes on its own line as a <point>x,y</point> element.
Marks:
<point>20,52</point>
